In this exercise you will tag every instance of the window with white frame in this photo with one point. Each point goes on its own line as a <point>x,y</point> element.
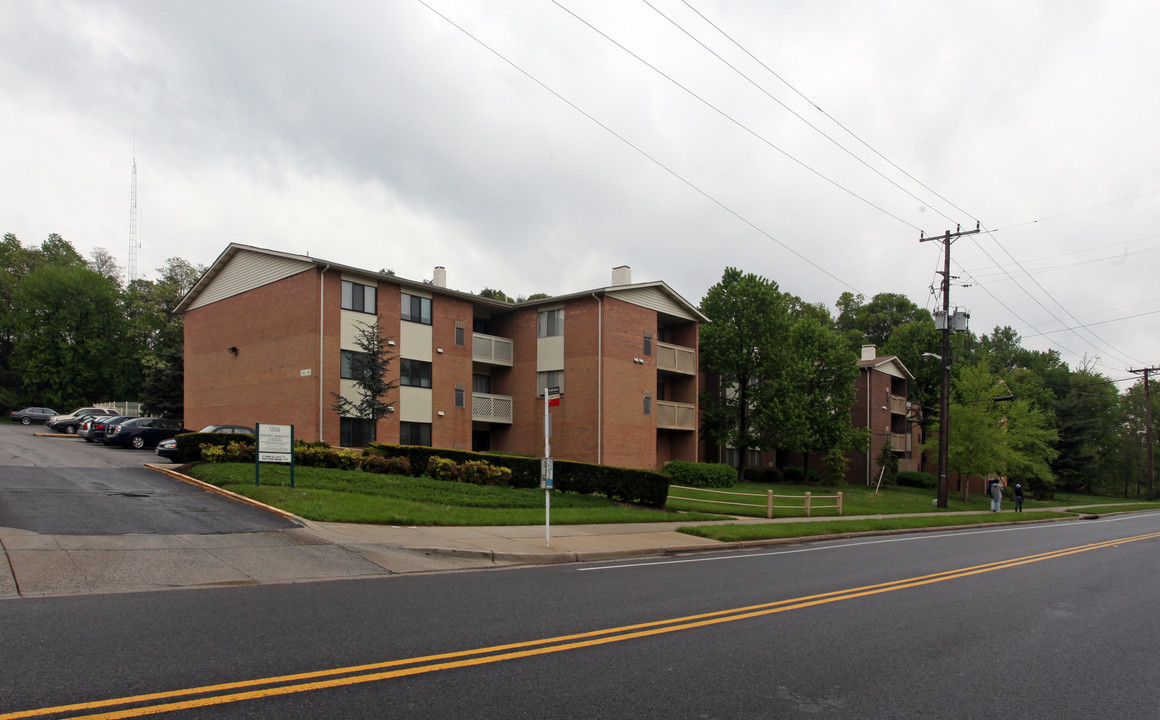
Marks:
<point>416,309</point>
<point>551,323</point>
<point>549,378</point>
<point>359,297</point>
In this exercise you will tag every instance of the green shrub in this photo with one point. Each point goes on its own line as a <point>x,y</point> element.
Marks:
<point>477,472</point>
<point>322,455</point>
<point>913,478</point>
<point>796,475</point>
<point>706,475</point>
<point>441,468</point>
<point>189,445</point>
<point>384,465</point>
<point>769,475</point>
<point>213,453</point>
<point>238,452</point>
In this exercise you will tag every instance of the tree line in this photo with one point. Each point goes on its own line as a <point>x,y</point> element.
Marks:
<point>73,332</point>
<point>788,369</point>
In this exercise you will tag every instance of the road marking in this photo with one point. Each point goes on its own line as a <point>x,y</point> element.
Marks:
<point>220,694</point>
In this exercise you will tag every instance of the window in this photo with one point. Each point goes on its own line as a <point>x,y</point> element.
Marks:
<point>550,378</point>
<point>460,395</point>
<point>481,384</point>
<point>551,323</point>
<point>357,297</point>
<point>460,333</point>
<point>647,403</point>
<point>648,343</point>
<point>415,373</point>
<point>416,309</point>
<point>355,432</point>
<point>413,433</point>
<point>351,364</point>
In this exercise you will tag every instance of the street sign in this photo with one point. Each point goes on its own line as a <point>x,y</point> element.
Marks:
<point>553,396</point>
<point>546,473</point>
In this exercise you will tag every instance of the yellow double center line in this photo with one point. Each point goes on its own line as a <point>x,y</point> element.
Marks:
<point>207,695</point>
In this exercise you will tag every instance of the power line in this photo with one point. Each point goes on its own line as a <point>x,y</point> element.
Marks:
<point>733,120</point>
<point>638,149</point>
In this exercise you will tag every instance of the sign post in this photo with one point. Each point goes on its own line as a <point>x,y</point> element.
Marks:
<point>275,443</point>
<point>551,399</point>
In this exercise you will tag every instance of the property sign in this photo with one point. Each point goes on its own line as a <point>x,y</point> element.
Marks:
<point>275,443</point>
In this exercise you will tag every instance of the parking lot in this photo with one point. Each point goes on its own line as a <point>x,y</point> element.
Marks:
<point>31,446</point>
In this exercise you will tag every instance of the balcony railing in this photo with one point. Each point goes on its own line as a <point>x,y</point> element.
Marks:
<point>897,405</point>
<point>491,349</point>
<point>677,359</point>
<point>491,408</point>
<point>676,416</point>
<point>899,442</point>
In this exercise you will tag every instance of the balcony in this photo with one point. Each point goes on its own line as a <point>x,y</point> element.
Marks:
<point>897,405</point>
<point>899,442</point>
<point>676,359</point>
<point>492,350</point>
<point>676,416</point>
<point>491,408</point>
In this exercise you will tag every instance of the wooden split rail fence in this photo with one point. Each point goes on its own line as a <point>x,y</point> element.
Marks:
<point>808,499</point>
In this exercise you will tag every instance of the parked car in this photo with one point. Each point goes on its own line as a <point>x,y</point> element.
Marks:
<point>71,423</point>
<point>87,423</point>
<point>30,415</point>
<point>142,432</point>
<point>168,448</point>
<point>100,426</point>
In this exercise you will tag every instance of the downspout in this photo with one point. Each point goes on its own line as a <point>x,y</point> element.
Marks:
<point>871,446</point>
<point>599,378</point>
<point>321,342</point>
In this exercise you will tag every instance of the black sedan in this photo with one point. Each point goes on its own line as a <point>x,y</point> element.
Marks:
<point>142,432</point>
<point>100,425</point>
<point>168,448</point>
<point>30,415</point>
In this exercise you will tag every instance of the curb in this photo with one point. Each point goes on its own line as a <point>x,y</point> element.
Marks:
<point>226,493</point>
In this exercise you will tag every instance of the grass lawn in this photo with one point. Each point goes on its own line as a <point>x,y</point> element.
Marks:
<point>329,495</point>
<point>862,500</point>
<point>769,531</point>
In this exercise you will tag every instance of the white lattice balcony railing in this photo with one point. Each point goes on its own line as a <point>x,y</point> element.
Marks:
<point>676,416</point>
<point>677,359</point>
<point>491,408</point>
<point>492,350</point>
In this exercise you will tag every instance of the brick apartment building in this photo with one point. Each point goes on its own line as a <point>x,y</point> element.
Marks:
<point>269,337</point>
<point>880,404</point>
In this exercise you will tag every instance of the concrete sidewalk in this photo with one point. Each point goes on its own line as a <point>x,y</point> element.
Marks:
<point>46,565</point>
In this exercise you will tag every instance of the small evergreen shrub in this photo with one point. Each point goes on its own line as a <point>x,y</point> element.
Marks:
<point>322,455</point>
<point>478,472</point>
<point>385,465</point>
<point>770,475</point>
<point>440,468</point>
<point>706,475</point>
<point>913,478</point>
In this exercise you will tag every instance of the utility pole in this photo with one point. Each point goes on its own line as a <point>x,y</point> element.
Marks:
<point>1148,424</point>
<point>944,414</point>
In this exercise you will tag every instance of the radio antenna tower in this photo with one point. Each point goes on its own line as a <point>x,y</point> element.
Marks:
<point>134,243</point>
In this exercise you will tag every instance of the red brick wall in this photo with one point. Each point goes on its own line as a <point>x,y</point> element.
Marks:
<point>451,366</point>
<point>275,331</point>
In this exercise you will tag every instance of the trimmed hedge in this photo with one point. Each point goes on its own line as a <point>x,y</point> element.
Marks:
<point>700,474</point>
<point>912,478</point>
<point>646,487</point>
<point>769,475</point>
<point>189,444</point>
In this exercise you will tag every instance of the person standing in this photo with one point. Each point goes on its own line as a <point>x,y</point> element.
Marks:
<point>1018,497</point>
<point>996,495</point>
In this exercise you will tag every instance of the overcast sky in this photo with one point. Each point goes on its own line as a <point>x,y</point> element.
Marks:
<point>532,145</point>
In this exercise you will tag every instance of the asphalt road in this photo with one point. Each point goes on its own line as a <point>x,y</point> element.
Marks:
<point>67,486</point>
<point>1045,621</point>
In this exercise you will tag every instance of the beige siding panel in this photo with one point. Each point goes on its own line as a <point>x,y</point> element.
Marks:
<point>348,389</point>
<point>248,270</point>
<point>415,340</point>
<point>550,353</point>
<point>653,299</point>
<point>415,404</point>
<point>350,324</point>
